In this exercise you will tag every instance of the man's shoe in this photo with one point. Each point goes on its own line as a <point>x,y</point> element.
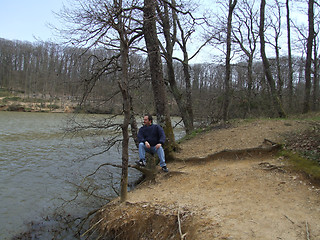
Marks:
<point>165,169</point>
<point>141,163</point>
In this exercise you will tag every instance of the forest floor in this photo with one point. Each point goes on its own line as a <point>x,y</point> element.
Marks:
<point>210,194</point>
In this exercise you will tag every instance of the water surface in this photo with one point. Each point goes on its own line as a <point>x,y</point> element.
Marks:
<point>40,166</point>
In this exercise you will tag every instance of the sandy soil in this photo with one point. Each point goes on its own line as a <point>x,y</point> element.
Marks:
<point>247,197</point>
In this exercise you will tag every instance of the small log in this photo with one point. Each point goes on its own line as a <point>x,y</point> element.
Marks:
<point>307,231</point>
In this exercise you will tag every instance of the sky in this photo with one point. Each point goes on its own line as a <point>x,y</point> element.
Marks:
<point>27,20</point>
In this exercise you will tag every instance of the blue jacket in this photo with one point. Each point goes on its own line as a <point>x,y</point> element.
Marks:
<point>154,134</point>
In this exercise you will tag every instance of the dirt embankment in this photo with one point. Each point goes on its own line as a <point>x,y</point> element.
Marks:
<point>36,106</point>
<point>252,195</point>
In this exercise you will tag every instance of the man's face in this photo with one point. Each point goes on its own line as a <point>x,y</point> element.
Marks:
<point>146,121</point>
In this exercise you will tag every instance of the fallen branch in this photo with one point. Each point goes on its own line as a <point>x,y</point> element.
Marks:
<point>289,219</point>
<point>307,230</point>
<point>269,141</point>
<point>180,231</point>
<point>267,166</point>
<point>150,173</point>
<point>100,166</point>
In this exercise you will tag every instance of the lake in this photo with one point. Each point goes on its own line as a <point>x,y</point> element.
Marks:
<point>40,167</point>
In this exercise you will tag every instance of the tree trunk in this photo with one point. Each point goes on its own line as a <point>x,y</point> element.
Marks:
<point>250,82</point>
<point>125,142</point>
<point>155,64</point>
<point>277,32</point>
<point>228,64</point>
<point>189,121</point>
<point>276,101</point>
<point>133,124</point>
<point>189,110</point>
<point>315,92</point>
<point>123,85</point>
<point>280,81</point>
<point>306,104</point>
<point>290,74</point>
<point>185,106</point>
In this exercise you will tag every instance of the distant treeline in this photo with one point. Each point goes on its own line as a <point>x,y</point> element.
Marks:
<point>48,70</point>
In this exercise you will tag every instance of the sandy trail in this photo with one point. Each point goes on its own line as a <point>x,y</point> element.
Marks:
<point>250,197</point>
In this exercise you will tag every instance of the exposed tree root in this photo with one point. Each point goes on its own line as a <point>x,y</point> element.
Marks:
<point>270,167</point>
<point>142,221</point>
<point>150,171</point>
<point>266,147</point>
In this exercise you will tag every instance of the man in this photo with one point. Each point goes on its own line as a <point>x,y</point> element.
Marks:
<point>151,137</point>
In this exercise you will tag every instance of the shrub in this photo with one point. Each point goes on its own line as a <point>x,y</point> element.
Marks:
<point>16,108</point>
<point>53,106</point>
<point>12,99</point>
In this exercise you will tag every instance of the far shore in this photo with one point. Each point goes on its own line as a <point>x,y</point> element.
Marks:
<point>32,107</point>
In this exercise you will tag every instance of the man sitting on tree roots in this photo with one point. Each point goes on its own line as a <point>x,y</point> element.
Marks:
<point>151,137</point>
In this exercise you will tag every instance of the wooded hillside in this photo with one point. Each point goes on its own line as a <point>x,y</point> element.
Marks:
<point>49,71</point>
<point>242,81</point>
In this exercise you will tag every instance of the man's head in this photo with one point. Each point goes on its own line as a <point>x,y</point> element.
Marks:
<point>147,120</point>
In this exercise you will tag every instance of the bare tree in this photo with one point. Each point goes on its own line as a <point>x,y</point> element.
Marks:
<point>275,24</point>
<point>155,64</point>
<point>290,72</point>
<point>122,29</point>
<point>170,23</point>
<point>306,104</point>
<point>245,33</point>
<point>110,24</point>
<point>232,5</point>
<point>276,101</point>
<point>315,92</point>
<point>315,89</point>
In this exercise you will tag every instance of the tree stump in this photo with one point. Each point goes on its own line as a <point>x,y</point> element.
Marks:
<point>151,166</point>
<point>152,161</point>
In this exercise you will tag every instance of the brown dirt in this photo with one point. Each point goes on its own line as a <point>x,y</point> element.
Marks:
<point>252,196</point>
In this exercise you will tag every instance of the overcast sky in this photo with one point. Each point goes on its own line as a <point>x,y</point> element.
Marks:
<point>27,20</point>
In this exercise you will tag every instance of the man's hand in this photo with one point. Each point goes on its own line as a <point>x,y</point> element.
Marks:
<point>147,144</point>
<point>158,145</point>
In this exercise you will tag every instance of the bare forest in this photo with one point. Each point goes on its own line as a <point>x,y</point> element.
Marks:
<point>88,72</point>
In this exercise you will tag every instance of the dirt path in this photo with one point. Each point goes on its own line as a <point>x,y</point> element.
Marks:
<point>249,197</point>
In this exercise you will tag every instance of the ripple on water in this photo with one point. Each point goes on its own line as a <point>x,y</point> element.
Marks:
<point>37,164</point>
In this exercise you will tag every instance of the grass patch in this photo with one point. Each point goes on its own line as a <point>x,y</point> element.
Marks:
<point>4,92</point>
<point>53,106</point>
<point>202,130</point>
<point>193,134</point>
<point>311,116</point>
<point>12,99</point>
<point>33,100</point>
<point>301,164</point>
